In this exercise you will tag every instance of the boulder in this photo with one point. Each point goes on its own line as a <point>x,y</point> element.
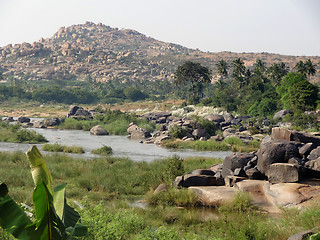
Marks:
<point>22,119</point>
<point>214,195</point>
<point>73,110</point>
<point>314,154</point>
<point>282,113</point>
<point>161,188</point>
<point>202,172</point>
<point>290,135</point>
<point>282,173</point>
<point>9,119</point>
<point>313,165</point>
<point>228,117</point>
<point>199,133</point>
<point>255,174</point>
<point>39,124</point>
<point>235,160</point>
<point>275,152</point>
<point>98,130</point>
<point>136,132</point>
<point>50,122</point>
<point>189,180</point>
<point>215,118</point>
<point>305,150</point>
<point>82,112</point>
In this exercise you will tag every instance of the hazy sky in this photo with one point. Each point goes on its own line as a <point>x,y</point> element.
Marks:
<point>289,27</point>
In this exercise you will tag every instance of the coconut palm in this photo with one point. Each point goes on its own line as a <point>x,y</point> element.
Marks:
<point>222,68</point>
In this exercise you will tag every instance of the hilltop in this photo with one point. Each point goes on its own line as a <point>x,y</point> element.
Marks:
<point>96,51</point>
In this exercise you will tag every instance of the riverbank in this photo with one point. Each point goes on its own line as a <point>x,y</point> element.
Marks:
<point>109,211</point>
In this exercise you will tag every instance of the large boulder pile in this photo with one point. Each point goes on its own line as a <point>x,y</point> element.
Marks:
<point>79,113</point>
<point>285,171</point>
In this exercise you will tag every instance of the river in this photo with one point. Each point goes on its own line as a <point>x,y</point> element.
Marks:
<point>121,146</point>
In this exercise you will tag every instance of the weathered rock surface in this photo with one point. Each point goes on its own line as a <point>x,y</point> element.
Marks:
<point>135,132</point>
<point>282,173</point>
<point>23,119</point>
<point>98,130</point>
<point>235,160</point>
<point>282,113</point>
<point>275,152</point>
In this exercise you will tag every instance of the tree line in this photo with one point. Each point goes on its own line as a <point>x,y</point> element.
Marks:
<point>256,91</point>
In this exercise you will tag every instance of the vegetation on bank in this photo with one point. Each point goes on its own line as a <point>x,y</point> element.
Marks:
<point>56,147</point>
<point>229,144</point>
<point>257,91</point>
<point>115,122</point>
<point>109,213</point>
<point>105,150</point>
<point>14,133</point>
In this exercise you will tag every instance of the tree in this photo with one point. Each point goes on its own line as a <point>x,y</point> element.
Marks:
<point>239,73</point>
<point>307,68</point>
<point>192,76</point>
<point>310,68</point>
<point>297,93</point>
<point>222,68</point>
<point>276,72</point>
<point>134,94</point>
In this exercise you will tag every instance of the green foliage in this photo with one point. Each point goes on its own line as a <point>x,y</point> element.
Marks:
<point>105,150</point>
<point>176,131</point>
<point>192,76</point>
<point>297,93</point>
<point>173,168</point>
<point>134,94</point>
<point>54,218</point>
<point>56,147</point>
<point>173,197</point>
<point>13,133</point>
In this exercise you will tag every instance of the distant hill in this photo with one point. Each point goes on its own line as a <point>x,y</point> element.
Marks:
<point>97,51</point>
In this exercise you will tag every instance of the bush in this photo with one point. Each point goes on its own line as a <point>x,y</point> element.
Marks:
<point>177,132</point>
<point>105,150</point>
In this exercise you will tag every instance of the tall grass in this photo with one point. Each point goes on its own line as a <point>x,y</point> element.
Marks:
<point>56,147</point>
<point>233,143</point>
<point>13,133</point>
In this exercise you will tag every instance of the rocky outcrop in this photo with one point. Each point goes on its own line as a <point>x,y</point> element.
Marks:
<point>78,112</point>
<point>135,132</point>
<point>23,119</point>
<point>281,174</point>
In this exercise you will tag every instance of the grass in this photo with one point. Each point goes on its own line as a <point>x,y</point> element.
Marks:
<point>56,147</point>
<point>105,150</point>
<point>106,186</point>
<point>232,143</point>
<point>13,133</point>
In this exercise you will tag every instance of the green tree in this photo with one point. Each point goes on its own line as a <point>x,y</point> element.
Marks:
<point>192,76</point>
<point>222,68</point>
<point>297,93</point>
<point>276,72</point>
<point>134,94</point>
<point>239,73</point>
<point>307,68</point>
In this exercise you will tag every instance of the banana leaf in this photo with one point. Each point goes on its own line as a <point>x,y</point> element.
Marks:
<point>48,225</point>
<point>39,170</point>
<point>69,216</point>
<point>12,217</point>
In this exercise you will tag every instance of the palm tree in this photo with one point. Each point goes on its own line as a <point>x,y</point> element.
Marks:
<point>222,68</point>
<point>238,74</point>
<point>310,68</point>
<point>276,72</point>
<point>300,67</point>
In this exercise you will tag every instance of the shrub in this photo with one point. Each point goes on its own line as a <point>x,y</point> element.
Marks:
<point>177,131</point>
<point>105,150</point>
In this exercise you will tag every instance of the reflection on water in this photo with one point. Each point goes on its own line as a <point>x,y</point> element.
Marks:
<point>121,146</point>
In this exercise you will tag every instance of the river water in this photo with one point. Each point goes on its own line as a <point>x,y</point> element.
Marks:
<point>121,146</point>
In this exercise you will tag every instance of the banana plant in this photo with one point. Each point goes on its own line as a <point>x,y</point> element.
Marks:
<point>55,219</point>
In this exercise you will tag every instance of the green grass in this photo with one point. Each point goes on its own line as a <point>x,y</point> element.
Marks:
<point>13,133</point>
<point>56,147</point>
<point>232,143</point>
<point>106,187</point>
<point>105,150</point>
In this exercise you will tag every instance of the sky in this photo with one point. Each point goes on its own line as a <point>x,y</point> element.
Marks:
<point>290,27</point>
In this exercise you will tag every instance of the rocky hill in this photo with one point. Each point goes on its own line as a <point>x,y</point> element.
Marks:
<point>103,53</point>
